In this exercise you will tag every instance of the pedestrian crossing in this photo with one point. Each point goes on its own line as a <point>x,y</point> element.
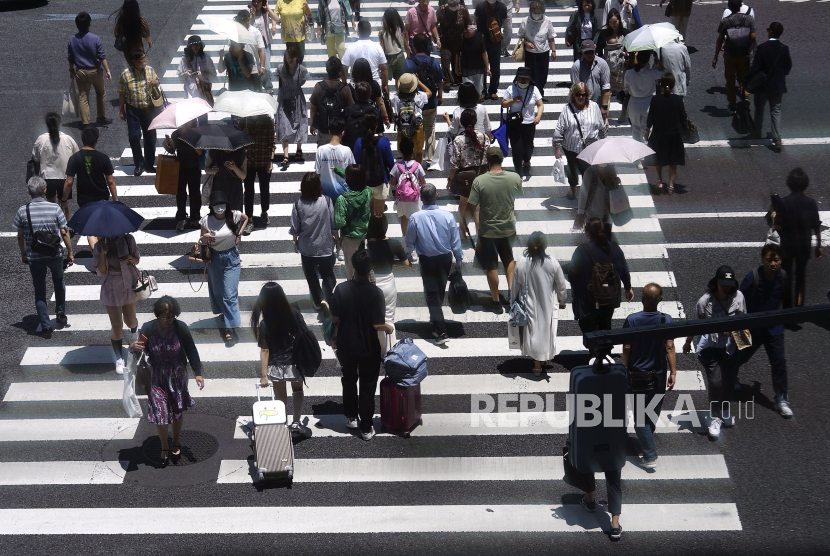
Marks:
<point>45,403</point>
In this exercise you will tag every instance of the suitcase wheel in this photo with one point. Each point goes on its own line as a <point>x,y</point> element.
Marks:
<point>406,434</point>
<point>261,477</point>
<point>421,422</point>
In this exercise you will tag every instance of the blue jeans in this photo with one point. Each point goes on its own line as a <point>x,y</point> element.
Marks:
<point>266,78</point>
<point>645,434</point>
<point>138,121</point>
<point>223,285</point>
<point>38,270</point>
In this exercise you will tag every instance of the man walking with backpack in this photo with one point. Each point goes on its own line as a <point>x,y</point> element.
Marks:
<point>329,99</point>
<point>647,363</point>
<point>428,71</point>
<point>764,289</point>
<point>736,34</point>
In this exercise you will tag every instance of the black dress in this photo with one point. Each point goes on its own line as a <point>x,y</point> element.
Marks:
<point>666,116</point>
<point>225,180</point>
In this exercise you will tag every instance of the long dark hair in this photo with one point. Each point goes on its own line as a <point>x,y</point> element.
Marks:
<point>467,95</point>
<point>537,245</point>
<point>53,124</point>
<point>581,12</point>
<point>370,127</point>
<point>272,305</point>
<point>291,52</point>
<point>362,71</point>
<point>613,13</point>
<point>667,83</point>
<point>128,18</point>
<point>188,50</point>
<point>392,22</point>
<point>595,229</point>
<point>468,122</point>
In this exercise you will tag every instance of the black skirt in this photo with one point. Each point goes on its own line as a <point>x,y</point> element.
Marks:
<point>668,149</point>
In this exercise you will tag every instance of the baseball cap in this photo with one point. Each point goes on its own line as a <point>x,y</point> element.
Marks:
<point>726,276</point>
<point>588,46</point>
<point>495,152</point>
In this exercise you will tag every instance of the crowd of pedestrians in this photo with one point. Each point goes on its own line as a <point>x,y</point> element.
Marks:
<point>341,210</point>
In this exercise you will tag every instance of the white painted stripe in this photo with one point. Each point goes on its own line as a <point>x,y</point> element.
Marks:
<point>411,284</point>
<point>700,215</point>
<point>550,518</point>
<point>62,473</point>
<point>479,424</point>
<point>743,143</point>
<point>476,314</point>
<point>248,351</point>
<point>292,260</point>
<point>8,234</point>
<point>434,385</point>
<point>26,430</point>
<point>531,468</point>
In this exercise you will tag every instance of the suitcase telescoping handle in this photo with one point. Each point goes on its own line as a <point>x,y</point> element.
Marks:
<point>270,389</point>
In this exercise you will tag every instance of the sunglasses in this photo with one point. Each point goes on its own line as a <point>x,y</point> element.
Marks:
<point>580,95</point>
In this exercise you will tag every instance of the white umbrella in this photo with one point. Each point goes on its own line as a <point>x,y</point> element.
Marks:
<point>229,29</point>
<point>615,150</point>
<point>179,113</point>
<point>650,37</point>
<point>245,103</point>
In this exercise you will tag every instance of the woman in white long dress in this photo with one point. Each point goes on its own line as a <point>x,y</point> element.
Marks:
<point>541,278</point>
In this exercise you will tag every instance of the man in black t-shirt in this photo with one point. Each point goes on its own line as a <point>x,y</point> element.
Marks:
<point>358,309</point>
<point>94,172</point>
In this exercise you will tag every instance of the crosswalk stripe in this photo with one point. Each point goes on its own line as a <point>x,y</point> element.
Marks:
<point>248,351</point>
<point>28,430</point>
<point>491,518</point>
<point>434,385</point>
<point>477,314</point>
<point>529,468</point>
<point>479,424</point>
<point>410,284</point>
<point>62,473</point>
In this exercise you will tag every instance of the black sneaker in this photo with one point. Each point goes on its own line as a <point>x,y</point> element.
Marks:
<point>615,533</point>
<point>46,333</point>
<point>589,506</point>
<point>795,327</point>
<point>441,339</point>
<point>61,319</point>
<point>150,169</point>
<point>496,307</point>
<point>139,169</point>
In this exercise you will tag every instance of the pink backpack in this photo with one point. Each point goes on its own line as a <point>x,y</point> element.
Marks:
<point>407,189</point>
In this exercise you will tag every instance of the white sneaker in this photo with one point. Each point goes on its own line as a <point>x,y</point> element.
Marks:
<point>650,464</point>
<point>368,435</point>
<point>119,366</point>
<point>180,225</point>
<point>352,423</point>
<point>413,258</point>
<point>783,408</point>
<point>340,256</point>
<point>714,428</point>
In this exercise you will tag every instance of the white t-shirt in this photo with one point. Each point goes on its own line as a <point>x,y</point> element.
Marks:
<point>329,156</point>
<point>421,100</point>
<point>587,29</point>
<point>254,50</point>
<point>539,33</point>
<point>642,83</point>
<point>53,159</point>
<point>411,165</point>
<point>529,110</point>
<point>365,48</point>
<point>225,238</point>
<point>744,10</point>
<point>482,120</point>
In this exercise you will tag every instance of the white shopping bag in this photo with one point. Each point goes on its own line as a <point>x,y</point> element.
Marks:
<point>439,159</point>
<point>131,405</point>
<point>514,336</point>
<point>70,107</point>
<point>558,172</point>
<point>619,200</point>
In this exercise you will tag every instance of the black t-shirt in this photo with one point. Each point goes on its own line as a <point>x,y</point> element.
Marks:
<point>383,253</point>
<point>236,78</point>
<point>360,306</point>
<point>185,154</point>
<point>798,216</point>
<point>471,50</point>
<point>90,169</point>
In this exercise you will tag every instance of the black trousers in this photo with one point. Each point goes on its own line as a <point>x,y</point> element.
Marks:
<point>434,273</point>
<point>613,487</point>
<point>796,268</point>
<point>494,55</point>
<point>264,189</point>
<point>597,319</point>
<point>721,372</point>
<point>521,143</point>
<point>539,65</point>
<point>359,372</point>
<point>189,184</point>
<point>138,126</point>
<point>325,267</point>
<point>774,346</point>
<point>576,167</point>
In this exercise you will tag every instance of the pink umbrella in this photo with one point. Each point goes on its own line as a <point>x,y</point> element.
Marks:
<point>181,112</point>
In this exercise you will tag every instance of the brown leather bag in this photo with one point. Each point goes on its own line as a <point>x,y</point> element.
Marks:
<point>493,27</point>
<point>167,174</point>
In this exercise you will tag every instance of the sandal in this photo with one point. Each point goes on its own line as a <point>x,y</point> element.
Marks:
<point>537,372</point>
<point>175,453</point>
<point>226,335</point>
<point>298,157</point>
<point>285,162</point>
<point>670,189</point>
<point>494,96</point>
<point>166,459</point>
<point>659,187</point>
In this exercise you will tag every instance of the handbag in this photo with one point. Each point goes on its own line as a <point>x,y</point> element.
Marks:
<point>157,97</point>
<point>143,380</point>
<point>558,171</point>
<point>516,118</point>
<point>439,160</point>
<point>129,397</point>
<point>32,168</point>
<point>167,174</point>
<point>518,308</point>
<point>203,86</point>
<point>500,133</point>
<point>519,51</point>
<point>145,285</point>
<point>742,338</point>
<point>668,9</point>
<point>43,242</point>
<point>573,476</point>
<point>493,26</point>
<point>757,82</point>
<point>120,41</point>
<point>70,107</point>
<point>689,132</point>
<point>458,294</point>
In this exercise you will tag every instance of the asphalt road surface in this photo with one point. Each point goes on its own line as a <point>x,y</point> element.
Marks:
<point>76,476</point>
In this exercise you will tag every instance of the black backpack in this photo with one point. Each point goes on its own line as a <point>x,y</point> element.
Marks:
<point>372,162</point>
<point>426,73</point>
<point>306,353</point>
<point>354,123</point>
<point>604,286</point>
<point>331,106</point>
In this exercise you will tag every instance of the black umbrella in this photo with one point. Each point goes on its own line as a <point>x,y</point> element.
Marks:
<point>219,137</point>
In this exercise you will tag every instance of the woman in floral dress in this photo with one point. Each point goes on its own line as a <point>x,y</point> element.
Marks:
<point>169,347</point>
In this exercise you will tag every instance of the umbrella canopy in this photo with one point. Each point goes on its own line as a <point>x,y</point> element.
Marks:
<point>214,136</point>
<point>615,150</point>
<point>230,29</point>
<point>105,219</point>
<point>246,103</point>
<point>181,112</point>
<point>650,37</point>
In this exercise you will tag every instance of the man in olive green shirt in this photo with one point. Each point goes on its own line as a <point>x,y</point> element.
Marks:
<point>492,196</point>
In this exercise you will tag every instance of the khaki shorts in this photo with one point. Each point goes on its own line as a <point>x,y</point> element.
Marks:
<point>417,139</point>
<point>380,192</point>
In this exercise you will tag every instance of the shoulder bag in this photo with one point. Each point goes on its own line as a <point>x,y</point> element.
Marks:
<point>203,86</point>
<point>32,168</point>
<point>578,125</point>
<point>757,82</point>
<point>515,118</point>
<point>43,242</point>
<point>518,308</point>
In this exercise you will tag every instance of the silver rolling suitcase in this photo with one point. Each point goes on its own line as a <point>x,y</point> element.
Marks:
<point>273,449</point>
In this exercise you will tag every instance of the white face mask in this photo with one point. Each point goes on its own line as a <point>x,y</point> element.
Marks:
<point>219,209</point>
<point>537,17</point>
<point>523,86</point>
